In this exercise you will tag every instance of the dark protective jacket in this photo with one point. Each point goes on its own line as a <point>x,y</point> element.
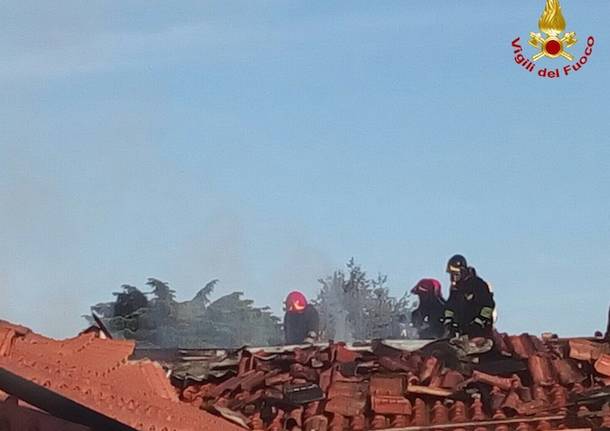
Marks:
<point>428,317</point>
<point>608,328</point>
<point>470,303</point>
<point>298,325</point>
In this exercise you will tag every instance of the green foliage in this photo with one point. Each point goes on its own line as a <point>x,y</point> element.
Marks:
<point>227,322</point>
<point>353,306</point>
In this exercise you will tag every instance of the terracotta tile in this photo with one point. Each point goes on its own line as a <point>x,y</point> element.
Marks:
<point>503,383</point>
<point>502,342</point>
<point>541,370</point>
<point>606,416</point>
<point>522,345</point>
<point>95,373</point>
<point>420,413</point>
<point>379,422</point>
<point>391,405</point>
<point>343,355</point>
<point>358,423</point>
<point>399,421</point>
<point>392,364</point>
<point>559,396</point>
<point>387,385</point>
<point>316,423</point>
<point>457,412</point>
<point>585,350</point>
<point>567,372</point>
<point>99,374</point>
<point>338,422</point>
<point>300,371</point>
<point>530,408</point>
<point>346,406</point>
<point>602,365</point>
<point>440,414</point>
<point>477,410</point>
<point>452,379</point>
<point>349,390</point>
<point>19,330</point>
<point>256,379</point>
<point>7,335</point>
<point>304,356</point>
<point>497,398</point>
<point>431,368</point>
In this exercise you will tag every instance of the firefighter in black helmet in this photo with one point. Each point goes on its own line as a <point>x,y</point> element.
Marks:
<point>608,328</point>
<point>469,309</point>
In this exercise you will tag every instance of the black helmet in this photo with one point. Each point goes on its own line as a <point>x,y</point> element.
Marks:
<point>457,267</point>
<point>457,264</point>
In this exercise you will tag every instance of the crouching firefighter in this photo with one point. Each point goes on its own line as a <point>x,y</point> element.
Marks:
<point>470,307</point>
<point>301,320</point>
<point>427,318</point>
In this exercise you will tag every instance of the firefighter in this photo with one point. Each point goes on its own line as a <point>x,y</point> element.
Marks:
<point>608,327</point>
<point>301,320</point>
<point>470,307</point>
<point>427,319</point>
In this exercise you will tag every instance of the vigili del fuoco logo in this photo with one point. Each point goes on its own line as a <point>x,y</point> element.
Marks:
<point>553,43</point>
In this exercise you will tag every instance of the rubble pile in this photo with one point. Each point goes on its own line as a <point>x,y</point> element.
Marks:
<point>90,382</point>
<point>523,383</point>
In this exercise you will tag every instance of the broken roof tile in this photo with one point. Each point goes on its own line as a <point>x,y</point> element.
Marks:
<point>541,370</point>
<point>522,345</point>
<point>585,350</point>
<point>387,385</point>
<point>602,365</point>
<point>390,405</point>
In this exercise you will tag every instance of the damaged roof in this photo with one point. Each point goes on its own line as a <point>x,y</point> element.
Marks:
<point>522,384</point>
<point>526,383</point>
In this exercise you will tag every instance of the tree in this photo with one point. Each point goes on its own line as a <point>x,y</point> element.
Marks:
<point>161,290</point>
<point>355,307</point>
<point>203,296</point>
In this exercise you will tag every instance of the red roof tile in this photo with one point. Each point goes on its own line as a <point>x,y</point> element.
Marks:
<point>97,374</point>
<point>15,416</point>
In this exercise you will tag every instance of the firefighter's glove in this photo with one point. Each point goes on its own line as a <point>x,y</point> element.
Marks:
<point>311,337</point>
<point>448,320</point>
<point>484,318</point>
<point>451,326</point>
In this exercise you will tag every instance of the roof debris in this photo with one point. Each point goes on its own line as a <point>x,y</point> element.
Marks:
<point>531,383</point>
<point>524,383</point>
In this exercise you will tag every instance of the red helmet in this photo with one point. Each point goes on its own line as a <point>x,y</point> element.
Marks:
<point>296,302</point>
<point>428,286</point>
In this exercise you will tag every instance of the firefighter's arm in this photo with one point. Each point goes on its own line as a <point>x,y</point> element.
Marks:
<point>416,318</point>
<point>315,320</point>
<point>450,306</point>
<point>286,326</point>
<point>486,305</point>
<point>452,328</point>
<point>451,325</point>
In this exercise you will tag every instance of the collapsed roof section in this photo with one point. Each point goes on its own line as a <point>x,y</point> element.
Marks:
<point>527,383</point>
<point>517,383</point>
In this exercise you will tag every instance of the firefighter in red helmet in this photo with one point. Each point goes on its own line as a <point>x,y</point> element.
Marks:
<point>301,320</point>
<point>427,318</point>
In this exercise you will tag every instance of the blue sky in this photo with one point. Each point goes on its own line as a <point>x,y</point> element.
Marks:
<point>265,143</point>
